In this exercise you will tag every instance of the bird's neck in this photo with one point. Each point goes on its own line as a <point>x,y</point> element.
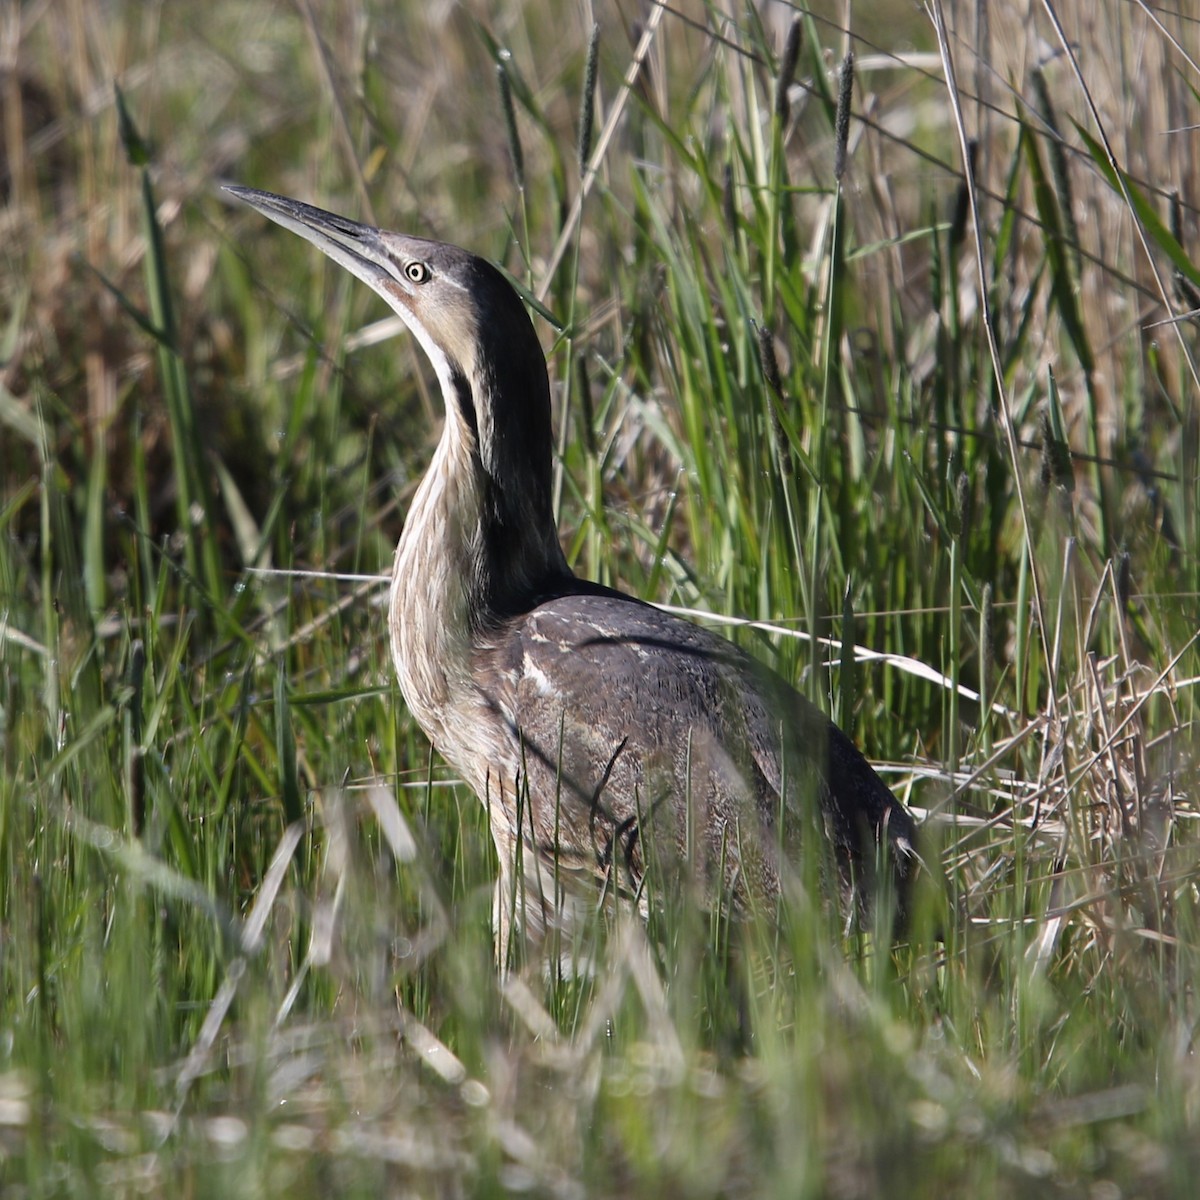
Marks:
<point>472,553</point>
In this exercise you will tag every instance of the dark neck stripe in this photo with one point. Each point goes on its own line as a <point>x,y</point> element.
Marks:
<point>466,401</point>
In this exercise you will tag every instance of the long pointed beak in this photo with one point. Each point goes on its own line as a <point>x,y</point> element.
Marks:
<point>356,247</point>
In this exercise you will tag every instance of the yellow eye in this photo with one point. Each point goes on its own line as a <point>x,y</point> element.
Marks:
<point>417,272</point>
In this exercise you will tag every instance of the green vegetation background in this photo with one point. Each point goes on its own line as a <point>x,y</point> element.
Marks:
<point>244,913</point>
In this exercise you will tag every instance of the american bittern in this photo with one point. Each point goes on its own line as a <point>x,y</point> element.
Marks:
<point>604,736</point>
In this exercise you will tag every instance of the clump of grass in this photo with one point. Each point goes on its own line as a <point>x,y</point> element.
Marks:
<point>244,915</point>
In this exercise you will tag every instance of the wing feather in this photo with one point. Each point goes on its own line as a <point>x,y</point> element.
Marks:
<point>633,724</point>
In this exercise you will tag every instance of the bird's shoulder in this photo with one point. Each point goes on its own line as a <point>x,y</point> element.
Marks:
<point>600,655</point>
<point>602,637</point>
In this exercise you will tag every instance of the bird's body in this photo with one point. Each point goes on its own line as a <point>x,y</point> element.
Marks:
<point>608,739</point>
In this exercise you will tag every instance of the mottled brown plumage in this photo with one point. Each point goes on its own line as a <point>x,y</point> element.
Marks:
<point>603,735</point>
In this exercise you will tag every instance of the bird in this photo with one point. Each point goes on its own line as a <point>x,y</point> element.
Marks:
<point>619,750</point>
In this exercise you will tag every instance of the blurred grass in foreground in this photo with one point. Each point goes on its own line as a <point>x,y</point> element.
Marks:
<point>244,917</point>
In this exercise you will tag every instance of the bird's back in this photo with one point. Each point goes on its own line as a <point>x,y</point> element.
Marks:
<point>638,738</point>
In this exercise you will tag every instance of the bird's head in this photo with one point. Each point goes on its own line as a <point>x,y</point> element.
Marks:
<point>476,332</point>
<point>465,314</point>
